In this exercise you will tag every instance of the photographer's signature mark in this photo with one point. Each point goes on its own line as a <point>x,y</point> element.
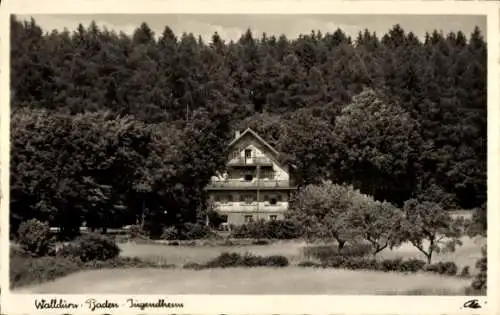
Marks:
<point>472,304</point>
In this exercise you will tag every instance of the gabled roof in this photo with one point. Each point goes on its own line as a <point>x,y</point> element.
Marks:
<point>253,133</point>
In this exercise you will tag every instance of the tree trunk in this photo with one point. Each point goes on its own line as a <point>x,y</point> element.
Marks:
<point>341,244</point>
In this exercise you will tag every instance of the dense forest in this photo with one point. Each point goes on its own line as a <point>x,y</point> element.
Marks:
<point>109,128</point>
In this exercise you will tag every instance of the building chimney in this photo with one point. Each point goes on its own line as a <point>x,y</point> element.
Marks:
<point>237,134</point>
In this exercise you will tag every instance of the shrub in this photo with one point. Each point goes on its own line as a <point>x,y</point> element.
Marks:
<point>31,270</point>
<point>195,231</point>
<point>448,268</point>
<point>479,285</point>
<point>125,262</point>
<point>169,233</point>
<point>226,260</point>
<point>465,273</point>
<point>327,252</point>
<point>275,261</point>
<point>91,247</point>
<point>194,266</point>
<point>412,265</point>
<point>137,231</point>
<point>260,242</point>
<point>309,264</point>
<point>34,237</point>
<point>69,250</point>
<point>280,229</point>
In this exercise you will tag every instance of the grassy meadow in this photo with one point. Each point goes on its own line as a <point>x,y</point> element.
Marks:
<point>261,280</point>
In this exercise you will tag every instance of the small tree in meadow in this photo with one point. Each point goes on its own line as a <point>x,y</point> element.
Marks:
<point>378,222</point>
<point>429,228</point>
<point>324,212</point>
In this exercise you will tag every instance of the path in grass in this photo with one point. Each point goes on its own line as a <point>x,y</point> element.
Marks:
<point>291,280</point>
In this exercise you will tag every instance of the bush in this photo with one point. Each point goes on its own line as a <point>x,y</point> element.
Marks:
<point>275,261</point>
<point>479,284</point>
<point>261,242</point>
<point>125,262</point>
<point>32,270</point>
<point>448,268</point>
<point>34,237</point>
<point>97,247</point>
<point>328,252</point>
<point>195,231</point>
<point>412,265</point>
<point>194,266</point>
<point>170,233</point>
<point>136,231</point>
<point>280,229</point>
<point>90,247</point>
<point>69,250</point>
<point>465,273</point>
<point>309,264</point>
<point>226,260</point>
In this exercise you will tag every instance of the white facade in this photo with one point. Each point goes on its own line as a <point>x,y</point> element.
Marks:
<point>255,186</point>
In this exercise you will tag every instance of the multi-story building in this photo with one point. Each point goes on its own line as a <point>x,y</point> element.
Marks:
<point>255,184</point>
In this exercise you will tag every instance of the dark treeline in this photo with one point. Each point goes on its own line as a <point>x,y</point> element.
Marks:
<point>103,120</point>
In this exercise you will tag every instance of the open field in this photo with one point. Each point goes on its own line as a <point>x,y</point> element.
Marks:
<point>260,280</point>
<point>465,255</point>
<point>292,280</point>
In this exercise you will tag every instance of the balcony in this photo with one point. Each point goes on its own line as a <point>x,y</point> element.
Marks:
<point>254,161</point>
<point>253,207</point>
<point>238,184</point>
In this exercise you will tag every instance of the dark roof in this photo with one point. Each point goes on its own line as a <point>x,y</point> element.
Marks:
<point>253,133</point>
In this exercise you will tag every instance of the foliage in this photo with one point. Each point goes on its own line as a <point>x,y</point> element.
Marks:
<point>32,270</point>
<point>194,231</point>
<point>170,233</point>
<point>308,263</point>
<point>478,225</point>
<point>168,93</point>
<point>379,223</point>
<point>465,273</point>
<point>324,211</point>
<point>34,237</point>
<point>226,260</point>
<point>279,229</point>
<point>377,143</point>
<point>90,247</point>
<point>26,270</point>
<point>479,284</point>
<point>448,268</point>
<point>327,252</point>
<point>428,223</point>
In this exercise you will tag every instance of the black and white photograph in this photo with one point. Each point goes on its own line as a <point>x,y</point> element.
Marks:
<point>248,154</point>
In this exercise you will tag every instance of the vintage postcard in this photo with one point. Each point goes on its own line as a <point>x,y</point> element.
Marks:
<point>249,157</point>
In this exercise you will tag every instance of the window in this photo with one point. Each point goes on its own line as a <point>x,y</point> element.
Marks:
<point>216,198</point>
<point>273,217</point>
<point>267,173</point>
<point>248,218</point>
<point>273,201</point>
<point>248,153</point>
<point>248,177</point>
<point>266,198</point>
<point>229,198</point>
<point>249,199</point>
<point>242,198</point>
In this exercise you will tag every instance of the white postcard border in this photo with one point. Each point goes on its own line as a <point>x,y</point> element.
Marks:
<point>265,304</point>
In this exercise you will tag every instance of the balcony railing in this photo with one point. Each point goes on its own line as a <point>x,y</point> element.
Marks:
<point>260,184</point>
<point>254,161</point>
<point>244,207</point>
